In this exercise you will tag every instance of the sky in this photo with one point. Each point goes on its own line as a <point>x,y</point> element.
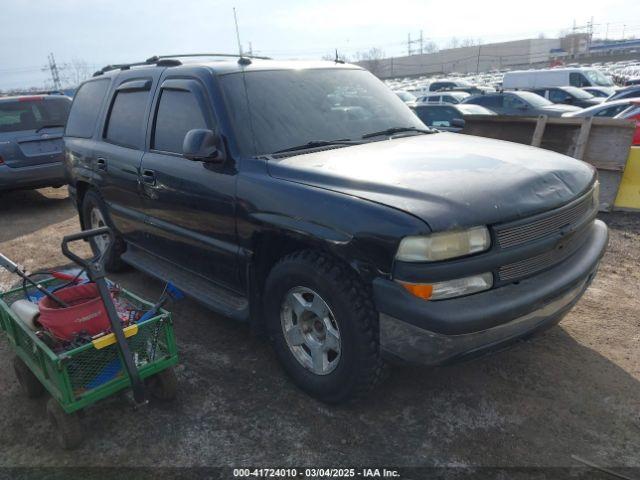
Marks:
<point>94,33</point>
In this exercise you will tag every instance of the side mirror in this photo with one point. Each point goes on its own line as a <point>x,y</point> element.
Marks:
<point>203,145</point>
<point>457,122</point>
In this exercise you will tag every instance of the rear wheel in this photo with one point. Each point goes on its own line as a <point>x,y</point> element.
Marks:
<point>94,215</point>
<point>29,383</point>
<point>324,326</point>
<point>68,427</point>
<point>163,385</point>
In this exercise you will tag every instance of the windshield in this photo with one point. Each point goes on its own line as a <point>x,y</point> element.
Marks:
<point>286,108</point>
<point>597,78</point>
<point>577,92</point>
<point>32,113</point>
<point>534,99</point>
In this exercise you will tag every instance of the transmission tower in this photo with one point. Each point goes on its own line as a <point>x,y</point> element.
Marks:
<point>55,74</point>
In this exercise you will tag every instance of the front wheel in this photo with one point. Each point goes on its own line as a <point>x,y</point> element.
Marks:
<point>324,326</point>
<point>94,215</point>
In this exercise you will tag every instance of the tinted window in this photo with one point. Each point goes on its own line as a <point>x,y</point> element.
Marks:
<point>612,111</point>
<point>33,113</point>
<point>178,112</point>
<point>578,80</point>
<point>85,109</point>
<point>513,102</point>
<point>489,101</point>
<point>287,108</point>
<point>434,99</point>
<point>558,96</point>
<point>127,119</point>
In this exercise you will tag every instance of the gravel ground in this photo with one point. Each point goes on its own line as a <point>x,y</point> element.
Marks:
<point>573,390</point>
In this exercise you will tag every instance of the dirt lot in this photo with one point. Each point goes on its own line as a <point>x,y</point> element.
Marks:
<point>574,390</point>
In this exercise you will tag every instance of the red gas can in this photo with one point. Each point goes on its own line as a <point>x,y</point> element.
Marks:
<point>85,313</point>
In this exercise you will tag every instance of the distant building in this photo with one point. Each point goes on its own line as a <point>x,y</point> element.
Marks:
<point>500,56</point>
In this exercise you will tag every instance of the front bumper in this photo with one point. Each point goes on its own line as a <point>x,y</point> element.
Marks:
<point>35,176</point>
<point>440,332</point>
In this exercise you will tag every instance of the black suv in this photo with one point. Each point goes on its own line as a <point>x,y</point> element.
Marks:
<point>308,199</point>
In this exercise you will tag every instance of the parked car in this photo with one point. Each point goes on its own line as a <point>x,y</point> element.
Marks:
<point>448,84</point>
<point>520,103</point>
<point>556,77</point>
<point>569,96</point>
<point>406,97</point>
<point>600,92</point>
<point>633,113</point>
<point>605,109</point>
<point>627,92</point>
<point>441,97</point>
<point>349,240</point>
<point>449,118</point>
<point>458,85</point>
<point>31,146</point>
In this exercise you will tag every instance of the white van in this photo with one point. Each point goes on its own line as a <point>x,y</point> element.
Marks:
<point>555,77</point>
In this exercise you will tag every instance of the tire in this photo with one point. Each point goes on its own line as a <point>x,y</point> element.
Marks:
<point>29,383</point>
<point>343,374</point>
<point>94,215</point>
<point>163,385</point>
<point>68,427</point>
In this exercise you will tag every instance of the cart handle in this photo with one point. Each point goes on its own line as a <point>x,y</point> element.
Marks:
<point>94,265</point>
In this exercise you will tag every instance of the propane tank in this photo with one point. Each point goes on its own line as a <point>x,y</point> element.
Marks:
<point>28,312</point>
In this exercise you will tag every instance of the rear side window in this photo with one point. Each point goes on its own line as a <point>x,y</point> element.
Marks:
<point>489,101</point>
<point>126,122</point>
<point>558,96</point>
<point>85,109</point>
<point>178,112</point>
<point>32,113</point>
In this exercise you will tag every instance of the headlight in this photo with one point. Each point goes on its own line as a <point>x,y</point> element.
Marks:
<point>441,246</point>
<point>450,288</point>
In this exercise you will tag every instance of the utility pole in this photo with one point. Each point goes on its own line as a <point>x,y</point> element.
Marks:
<point>409,44</point>
<point>478,63</point>
<point>421,44</point>
<point>55,74</point>
<point>606,35</point>
<point>624,26</point>
<point>250,50</point>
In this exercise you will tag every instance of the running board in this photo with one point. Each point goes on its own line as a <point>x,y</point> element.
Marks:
<point>211,295</point>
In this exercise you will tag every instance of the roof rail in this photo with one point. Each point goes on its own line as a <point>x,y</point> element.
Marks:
<point>227,55</point>
<point>171,61</point>
<point>150,61</point>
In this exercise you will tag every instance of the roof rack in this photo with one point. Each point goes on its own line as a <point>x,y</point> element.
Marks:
<point>171,61</point>
<point>226,55</point>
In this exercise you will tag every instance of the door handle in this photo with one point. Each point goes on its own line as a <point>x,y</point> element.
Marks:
<point>101,163</point>
<point>149,177</point>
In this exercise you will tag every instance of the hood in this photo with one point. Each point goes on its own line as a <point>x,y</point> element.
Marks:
<point>448,180</point>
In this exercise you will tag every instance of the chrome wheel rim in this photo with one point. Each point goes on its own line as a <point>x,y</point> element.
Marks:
<point>96,219</point>
<point>311,331</point>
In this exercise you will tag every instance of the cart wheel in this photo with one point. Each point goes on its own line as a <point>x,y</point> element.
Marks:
<point>30,384</point>
<point>163,385</point>
<point>67,425</point>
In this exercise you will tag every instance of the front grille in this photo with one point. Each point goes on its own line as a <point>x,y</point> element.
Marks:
<point>545,224</point>
<point>540,262</point>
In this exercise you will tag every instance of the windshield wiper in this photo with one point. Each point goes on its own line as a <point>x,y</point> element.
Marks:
<point>393,130</point>
<point>319,143</point>
<point>49,126</point>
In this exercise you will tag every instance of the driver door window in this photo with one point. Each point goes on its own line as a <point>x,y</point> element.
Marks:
<point>178,112</point>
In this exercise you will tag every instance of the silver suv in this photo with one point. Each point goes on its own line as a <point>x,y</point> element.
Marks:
<point>31,146</point>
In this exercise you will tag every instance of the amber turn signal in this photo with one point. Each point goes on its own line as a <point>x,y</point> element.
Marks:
<point>420,290</point>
